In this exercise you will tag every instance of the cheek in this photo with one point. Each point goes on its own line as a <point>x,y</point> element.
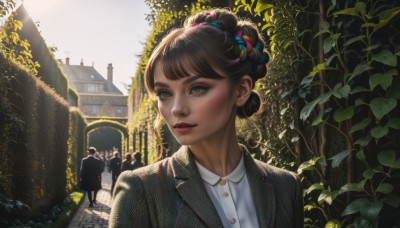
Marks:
<point>217,104</point>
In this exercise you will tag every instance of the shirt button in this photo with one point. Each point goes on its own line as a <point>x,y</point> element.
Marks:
<point>222,182</point>
<point>226,194</point>
<point>233,221</point>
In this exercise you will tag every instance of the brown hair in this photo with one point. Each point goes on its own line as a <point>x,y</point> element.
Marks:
<point>208,45</point>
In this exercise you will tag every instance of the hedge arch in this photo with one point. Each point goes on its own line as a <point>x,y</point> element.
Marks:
<point>109,123</point>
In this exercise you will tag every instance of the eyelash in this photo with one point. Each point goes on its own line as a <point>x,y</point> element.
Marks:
<point>164,94</point>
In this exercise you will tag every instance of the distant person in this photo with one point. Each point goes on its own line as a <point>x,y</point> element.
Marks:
<point>127,163</point>
<point>90,175</point>
<point>115,168</point>
<point>137,163</point>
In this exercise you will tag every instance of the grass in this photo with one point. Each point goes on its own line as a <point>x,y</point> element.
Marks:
<point>65,217</point>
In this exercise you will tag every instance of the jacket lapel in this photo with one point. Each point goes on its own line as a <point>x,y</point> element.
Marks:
<point>190,187</point>
<point>262,190</point>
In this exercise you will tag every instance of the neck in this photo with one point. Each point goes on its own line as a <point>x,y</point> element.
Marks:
<point>219,158</point>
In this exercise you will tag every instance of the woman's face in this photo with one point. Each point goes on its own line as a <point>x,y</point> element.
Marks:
<point>196,108</point>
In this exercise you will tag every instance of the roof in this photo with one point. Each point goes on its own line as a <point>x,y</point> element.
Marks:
<point>80,73</point>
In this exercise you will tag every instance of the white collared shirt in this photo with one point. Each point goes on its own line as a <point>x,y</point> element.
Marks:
<point>231,196</point>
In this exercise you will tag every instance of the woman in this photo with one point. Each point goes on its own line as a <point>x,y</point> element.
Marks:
<point>203,76</point>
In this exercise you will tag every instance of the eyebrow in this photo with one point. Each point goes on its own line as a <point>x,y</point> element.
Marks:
<point>187,81</point>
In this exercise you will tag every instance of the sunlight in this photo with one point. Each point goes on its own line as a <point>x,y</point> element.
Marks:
<point>40,6</point>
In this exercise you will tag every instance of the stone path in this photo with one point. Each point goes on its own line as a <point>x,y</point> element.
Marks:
<point>98,215</point>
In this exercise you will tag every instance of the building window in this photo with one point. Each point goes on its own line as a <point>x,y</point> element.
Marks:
<point>93,88</point>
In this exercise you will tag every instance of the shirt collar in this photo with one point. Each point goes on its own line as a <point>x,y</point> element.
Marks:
<point>213,179</point>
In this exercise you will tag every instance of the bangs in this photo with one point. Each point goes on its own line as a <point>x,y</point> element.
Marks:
<point>184,58</point>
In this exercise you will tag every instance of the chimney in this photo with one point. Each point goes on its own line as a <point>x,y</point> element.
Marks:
<point>81,62</point>
<point>67,60</point>
<point>110,73</point>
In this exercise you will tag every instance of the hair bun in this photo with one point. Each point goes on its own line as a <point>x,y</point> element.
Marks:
<point>252,105</point>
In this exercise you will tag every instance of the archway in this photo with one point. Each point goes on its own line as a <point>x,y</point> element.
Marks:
<point>122,129</point>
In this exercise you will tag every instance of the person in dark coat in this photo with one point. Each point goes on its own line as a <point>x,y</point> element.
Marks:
<point>138,161</point>
<point>90,175</point>
<point>115,168</point>
<point>127,163</point>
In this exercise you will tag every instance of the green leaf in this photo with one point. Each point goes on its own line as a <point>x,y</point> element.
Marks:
<point>307,80</point>
<point>325,97</point>
<point>381,106</point>
<point>320,118</point>
<point>385,188</point>
<point>360,155</point>
<point>368,174</point>
<point>327,196</point>
<point>342,92</point>
<point>363,141</point>
<point>354,39</point>
<point>348,11</point>
<point>378,132</point>
<point>343,114</point>
<point>386,16</point>
<point>394,123</point>
<point>359,69</point>
<point>354,206</point>
<point>387,158</point>
<point>359,89</point>
<point>316,186</point>
<point>308,108</point>
<point>328,44</point>
<point>333,224</point>
<point>353,187</point>
<point>371,210</point>
<point>309,207</point>
<point>338,158</point>
<point>392,200</point>
<point>280,136</point>
<point>309,165</point>
<point>384,80</point>
<point>386,57</point>
<point>360,125</point>
<point>318,68</point>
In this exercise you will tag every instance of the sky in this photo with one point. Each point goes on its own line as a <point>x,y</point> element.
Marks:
<point>98,32</point>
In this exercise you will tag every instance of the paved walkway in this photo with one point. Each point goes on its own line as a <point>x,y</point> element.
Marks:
<point>98,215</point>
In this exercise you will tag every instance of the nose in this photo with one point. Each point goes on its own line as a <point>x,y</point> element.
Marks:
<point>180,107</point>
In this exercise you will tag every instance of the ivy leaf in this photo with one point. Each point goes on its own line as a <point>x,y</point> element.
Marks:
<point>308,108</point>
<point>307,80</point>
<point>359,69</point>
<point>384,80</point>
<point>388,158</point>
<point>368,174</point>
<point>385,188</point>
<point>354,206</point>
<point>328,44</point>
<point>342,92</point>
<point>378,132</point>
<point>353,187</point>
<point>392,200</point>
<point>360,155</point>
<point>386,57</point>
<point>371,209</point>
<point>386,16</point>
<point>394,123</point>
<point>354,39</point>
<point>360,125</point>
<point>363,141</point>
<point>318,68</point>
<point>338,158</point>
<point>343,114</point>
<point>327,196</point>
<point>309,165</point>
<point>316,186</point>
<point>333,224</point>
<point>381,106</point>
<point>309,207</point>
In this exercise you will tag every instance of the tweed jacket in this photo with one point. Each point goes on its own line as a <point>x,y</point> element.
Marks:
<point>171,193</point>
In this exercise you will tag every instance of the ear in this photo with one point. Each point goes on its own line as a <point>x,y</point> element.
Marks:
<point>244,90</point>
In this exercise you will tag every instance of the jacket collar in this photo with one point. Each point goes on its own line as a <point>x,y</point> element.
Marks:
<point>189,185</point>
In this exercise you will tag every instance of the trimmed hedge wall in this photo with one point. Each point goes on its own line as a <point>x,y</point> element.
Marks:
<point>40,149</point>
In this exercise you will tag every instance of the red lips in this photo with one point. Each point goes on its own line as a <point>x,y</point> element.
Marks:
<point>183,127</point>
